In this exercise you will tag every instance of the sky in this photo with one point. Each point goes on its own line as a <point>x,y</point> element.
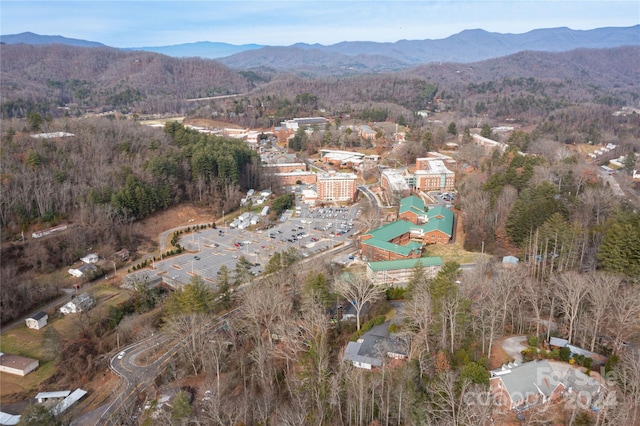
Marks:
<point>123,23</point>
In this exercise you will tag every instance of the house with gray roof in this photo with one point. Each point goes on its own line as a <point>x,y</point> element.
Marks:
<point>37,320</point>
<point>370,350</point>
<point>78,304</point>
<point>519,387</point>
<point>87,270</point>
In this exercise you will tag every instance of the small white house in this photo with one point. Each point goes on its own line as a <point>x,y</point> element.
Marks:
<point>78,304</point>
<point>90,258</point>
<point>37,320</point>
<point>510,261</point>
<point>83,271</point>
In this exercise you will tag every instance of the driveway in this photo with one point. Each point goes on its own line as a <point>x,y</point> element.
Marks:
<point>513,346</point>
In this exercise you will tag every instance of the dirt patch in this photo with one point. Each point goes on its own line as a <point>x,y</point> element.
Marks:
<point>181,215</point>
<point>455,251</point>
<point>498,355</point>
<point>210,124</point>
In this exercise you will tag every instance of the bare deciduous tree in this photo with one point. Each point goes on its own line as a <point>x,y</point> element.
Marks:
<point>602,295</point>
<point>624,316</point>
<point>571,290</point>
<point>358,290</point>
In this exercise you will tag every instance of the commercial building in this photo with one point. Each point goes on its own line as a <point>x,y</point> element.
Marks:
<point>488,144</point>
<point>342,158</point>
<point>405,238</point>
<point>296,123</point>
<point>394,184</point>
<point>433,175</point>
<point>18,365</point>
<point>412,209</point>
<point>334,186</point>
<point>293,178</point>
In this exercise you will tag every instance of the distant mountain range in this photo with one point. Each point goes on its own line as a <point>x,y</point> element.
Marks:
<point>202,49</point>
<point>32,38</point>
<point>464,47</point>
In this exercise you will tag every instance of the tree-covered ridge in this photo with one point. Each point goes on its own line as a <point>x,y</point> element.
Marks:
<point>116,169</point>
<point>41,78</point>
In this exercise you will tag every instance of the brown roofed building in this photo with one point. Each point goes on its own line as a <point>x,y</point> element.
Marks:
<point>18,365</point>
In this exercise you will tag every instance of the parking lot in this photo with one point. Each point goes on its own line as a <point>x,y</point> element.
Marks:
<point>309,231</point>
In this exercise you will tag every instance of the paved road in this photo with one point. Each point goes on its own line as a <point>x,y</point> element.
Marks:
<point>68,292</point>
<point>136,374</point>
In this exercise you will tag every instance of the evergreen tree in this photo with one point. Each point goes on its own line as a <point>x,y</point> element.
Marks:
<point>532,208</point>
<point>194,297</point>
<point>620,248</point>
<point>181,406</point>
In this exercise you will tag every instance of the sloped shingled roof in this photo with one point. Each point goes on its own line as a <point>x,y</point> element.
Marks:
<point>38,315</point>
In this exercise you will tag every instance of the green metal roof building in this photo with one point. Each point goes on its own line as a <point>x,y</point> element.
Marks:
<point>398,272</point>
<point>405,238</point>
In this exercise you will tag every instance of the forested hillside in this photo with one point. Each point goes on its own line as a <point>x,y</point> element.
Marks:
<point>110,174</point>
<point>524,85</point>
<point>42,78</point>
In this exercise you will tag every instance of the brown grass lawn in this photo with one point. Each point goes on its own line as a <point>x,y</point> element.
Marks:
<point>455,252</point>
<point>25,342</point>
<point>29,343</point>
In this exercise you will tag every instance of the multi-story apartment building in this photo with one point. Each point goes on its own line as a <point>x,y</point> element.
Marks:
<point>334,186</point>
<point>433,175</point>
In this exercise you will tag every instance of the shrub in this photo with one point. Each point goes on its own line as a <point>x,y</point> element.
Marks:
<point>565,354</point>
<point>553,354</point>
<point>369,325</point>
<point>532,340</point>
<point>395,293</point>
<point>611,362</point>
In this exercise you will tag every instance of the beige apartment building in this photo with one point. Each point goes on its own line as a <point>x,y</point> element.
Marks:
<point>334,186</point>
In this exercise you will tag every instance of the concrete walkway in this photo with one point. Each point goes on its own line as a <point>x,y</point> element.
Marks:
<point>513,346</point>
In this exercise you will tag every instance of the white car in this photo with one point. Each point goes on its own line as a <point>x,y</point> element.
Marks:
<point>121,355</point>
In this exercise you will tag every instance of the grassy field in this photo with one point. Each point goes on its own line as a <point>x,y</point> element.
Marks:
<point>29,343</point>
<point>455,252</point>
